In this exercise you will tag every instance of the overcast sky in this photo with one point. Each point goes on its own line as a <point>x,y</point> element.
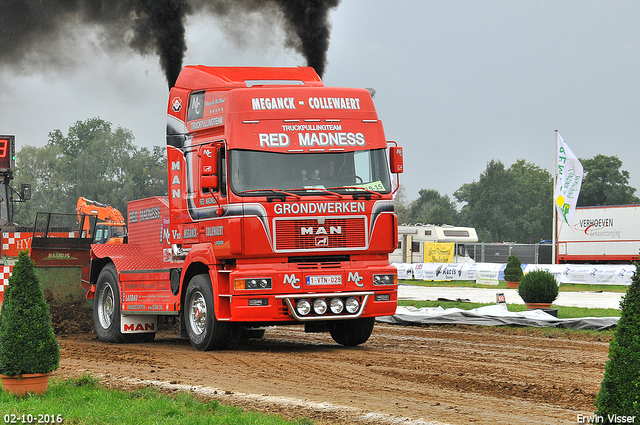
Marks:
<point>458,83</point>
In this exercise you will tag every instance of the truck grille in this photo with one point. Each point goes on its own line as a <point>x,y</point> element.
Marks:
<point>309,234</point>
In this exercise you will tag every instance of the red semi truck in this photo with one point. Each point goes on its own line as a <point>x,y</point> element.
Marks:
<point>279,212</point>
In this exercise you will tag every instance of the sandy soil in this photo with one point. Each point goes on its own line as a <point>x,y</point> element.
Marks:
<point>437,374</point>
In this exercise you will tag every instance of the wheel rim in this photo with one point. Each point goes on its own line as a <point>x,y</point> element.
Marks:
<point>105,307</point>
<point>198,313</point>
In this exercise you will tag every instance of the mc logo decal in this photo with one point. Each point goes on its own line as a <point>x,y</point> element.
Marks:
<point>355,278</point>
<point>291,280</point>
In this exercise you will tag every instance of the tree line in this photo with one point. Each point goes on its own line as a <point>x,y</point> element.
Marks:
<point>92,160</point>
<point>514,204</point>
<point>99,162</point>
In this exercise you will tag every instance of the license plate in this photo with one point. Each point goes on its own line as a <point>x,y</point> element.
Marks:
<point>324,280</point>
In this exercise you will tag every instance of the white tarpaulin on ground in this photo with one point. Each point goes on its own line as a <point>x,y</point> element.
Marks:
<point>493,315</point>
<point>493,273</point>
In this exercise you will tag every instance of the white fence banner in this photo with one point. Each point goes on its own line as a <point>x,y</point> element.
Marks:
<point>468,271</point>
<point>488,273</point>
<point>592,274</point>
<point>418,271</point>
<point>432,271</point>
<point>448,271</point>
<point>405,270</point>
<point>557,270</point>
<point>493,273</point>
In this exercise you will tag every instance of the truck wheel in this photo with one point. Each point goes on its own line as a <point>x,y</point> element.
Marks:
<point>106,306</point>
<point>204,330</point>
<point>351,332</point>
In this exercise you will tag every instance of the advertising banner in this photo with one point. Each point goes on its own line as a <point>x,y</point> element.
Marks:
<point>493,273</point>
<point>405,270</point>
<point>488,273</point>
<point>569,180</point>
<point>435,252</point>
<point>418,271</point>
<point>468,271</point>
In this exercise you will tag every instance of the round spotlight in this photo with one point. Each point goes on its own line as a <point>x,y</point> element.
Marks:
<point>320,306</point>
<point>352,305</point>
<point>264,283</point>
<point>303,307</point>
<point>336,305</point>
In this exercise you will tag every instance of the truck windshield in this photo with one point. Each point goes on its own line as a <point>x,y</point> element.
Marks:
<point>343,172</point>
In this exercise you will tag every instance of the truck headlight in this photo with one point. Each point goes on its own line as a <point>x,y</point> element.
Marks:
<point>352,305</point>
<point>257,283</point>
<point>336,305</point>
<point>303,307</point>
<point>320,306</point>
<point>385,279</point>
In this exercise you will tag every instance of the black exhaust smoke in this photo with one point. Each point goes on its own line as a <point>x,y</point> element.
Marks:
<point>28,27</point>
<point>309,21</point>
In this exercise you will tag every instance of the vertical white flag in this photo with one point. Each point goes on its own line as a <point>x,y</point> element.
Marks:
<point>569,180</point>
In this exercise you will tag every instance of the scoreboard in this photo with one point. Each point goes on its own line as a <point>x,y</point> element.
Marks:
<point>7,154</point>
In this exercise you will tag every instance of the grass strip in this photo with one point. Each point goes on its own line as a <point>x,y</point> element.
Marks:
<point>85,400</point>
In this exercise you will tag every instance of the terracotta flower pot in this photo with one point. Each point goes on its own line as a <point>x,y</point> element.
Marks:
<point>534,306</point>
<point>511,285</point>
<point>29,383</point>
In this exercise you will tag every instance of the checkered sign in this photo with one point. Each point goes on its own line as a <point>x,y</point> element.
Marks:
<point>5,272</point>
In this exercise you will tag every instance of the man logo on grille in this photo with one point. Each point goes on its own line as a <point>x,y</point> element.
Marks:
<point>333,230</point>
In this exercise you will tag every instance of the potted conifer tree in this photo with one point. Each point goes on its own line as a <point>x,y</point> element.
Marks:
<point>513,272</point>
<point>619,395</point>
<point>538,289</point>
<point>29,350</point>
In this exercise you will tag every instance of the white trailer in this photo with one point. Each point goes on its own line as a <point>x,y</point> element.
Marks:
<point>411,241</point>
<point>601,235</point>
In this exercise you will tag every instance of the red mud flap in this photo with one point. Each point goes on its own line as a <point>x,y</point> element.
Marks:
<point>136,324</point>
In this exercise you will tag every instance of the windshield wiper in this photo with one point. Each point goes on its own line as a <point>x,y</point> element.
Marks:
<point>319,189</point>
<point>278,191</point>
<point>356,196</point>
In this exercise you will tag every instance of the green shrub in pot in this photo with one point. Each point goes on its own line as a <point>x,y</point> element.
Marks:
<point>513,271</point>
<point>538,286</point>
<point>27,342</point>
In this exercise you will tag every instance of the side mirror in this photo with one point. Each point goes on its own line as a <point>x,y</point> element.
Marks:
<point>208,167</point>
<point>396,159</point>
<point>209,182</point>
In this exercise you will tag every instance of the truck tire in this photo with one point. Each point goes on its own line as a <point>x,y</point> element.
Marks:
<point>106,306</point>
<point>351,332</point>
<point>204,330</point>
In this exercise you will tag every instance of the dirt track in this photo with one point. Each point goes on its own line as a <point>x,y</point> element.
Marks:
<point>438,374</point>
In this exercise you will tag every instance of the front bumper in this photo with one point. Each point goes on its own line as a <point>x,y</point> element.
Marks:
<point>290,300</point>
<point>278,303</point>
